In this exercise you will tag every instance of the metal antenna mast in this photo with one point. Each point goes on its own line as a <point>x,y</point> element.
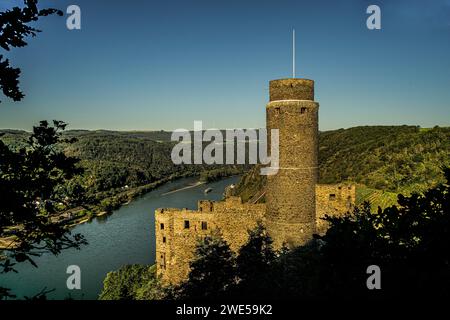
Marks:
<point>293,53</point>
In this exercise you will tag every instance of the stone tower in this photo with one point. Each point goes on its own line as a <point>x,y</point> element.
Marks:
<point>290,196</point>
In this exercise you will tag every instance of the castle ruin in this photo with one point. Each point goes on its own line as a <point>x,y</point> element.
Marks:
<point>295,202</point>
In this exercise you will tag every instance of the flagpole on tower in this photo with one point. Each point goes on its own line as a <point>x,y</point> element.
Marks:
<point>293,53</point>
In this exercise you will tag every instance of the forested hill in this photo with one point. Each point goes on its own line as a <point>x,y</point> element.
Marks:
<point>404,158</point>
<point>116,160</point>
<point>384,160</point>
<point>389,158</point>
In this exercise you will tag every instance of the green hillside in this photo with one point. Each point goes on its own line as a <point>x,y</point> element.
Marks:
<point>382,160</point>
<point>377,198</point>
<point>120,165</point>
<point>397,159</point>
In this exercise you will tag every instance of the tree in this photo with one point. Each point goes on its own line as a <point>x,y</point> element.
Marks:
<point>31,180</point>
<point>152,289</point>
<point>212,270</point>
<point>125,283</point>
<point>409,241</point>
<point>14,28</point>
<point>133,282</point>
<point>254,262</point>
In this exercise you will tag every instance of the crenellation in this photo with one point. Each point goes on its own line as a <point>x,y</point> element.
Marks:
<point>205,206</point>
<point>333,200</point>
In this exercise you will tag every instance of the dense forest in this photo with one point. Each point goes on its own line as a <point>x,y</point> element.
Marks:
<point>397,159</point>
<point>120,165</point>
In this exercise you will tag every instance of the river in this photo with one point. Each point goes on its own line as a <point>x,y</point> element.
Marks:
<point>127,236</point>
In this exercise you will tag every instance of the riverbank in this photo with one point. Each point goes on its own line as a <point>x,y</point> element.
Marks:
<point>125,237</point>
<point>109,204</point>
<point>83,214</point>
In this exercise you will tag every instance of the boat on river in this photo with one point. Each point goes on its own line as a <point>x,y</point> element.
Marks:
<point>208,190</point>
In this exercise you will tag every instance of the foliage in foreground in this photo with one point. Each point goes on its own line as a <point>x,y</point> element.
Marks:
<point>132,282</point>
<point>15,26</point>
<point>32,184</point>
<point>212,270</point>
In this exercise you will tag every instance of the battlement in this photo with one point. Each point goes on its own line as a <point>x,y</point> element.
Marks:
<point>333,200</point>
<point>171,210</point>
<point>205,206</point>
<point>291,89</point>
<point>178,231</point>
<point>337,192</point>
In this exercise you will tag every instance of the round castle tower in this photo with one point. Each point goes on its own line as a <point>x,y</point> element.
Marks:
<point>291,193</point>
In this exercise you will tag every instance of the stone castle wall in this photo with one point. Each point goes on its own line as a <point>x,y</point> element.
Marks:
<point>333,200</point>
<point>178,232</point>
<point>291,89</point>
<point>176,242</point>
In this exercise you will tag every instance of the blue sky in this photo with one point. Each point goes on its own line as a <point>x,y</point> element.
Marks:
<point>151,65</point>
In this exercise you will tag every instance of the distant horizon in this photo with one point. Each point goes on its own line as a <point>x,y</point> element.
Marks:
<point>68,129</point>
<point>141,64</point>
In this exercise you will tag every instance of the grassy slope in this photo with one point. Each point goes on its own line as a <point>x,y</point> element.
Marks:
<point>382,160</point>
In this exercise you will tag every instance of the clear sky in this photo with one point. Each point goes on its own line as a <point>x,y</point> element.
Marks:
<point>151,65</point>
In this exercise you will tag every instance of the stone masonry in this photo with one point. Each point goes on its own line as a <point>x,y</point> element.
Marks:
<point>295,202</point>
<point>290,195</point>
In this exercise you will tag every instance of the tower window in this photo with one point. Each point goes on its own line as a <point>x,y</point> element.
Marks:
<point>303,110</point>
<point>162,226</point>
<point>277,110</point>
<point>186,224</point>
<point>204,225</point>
<point>332,196</point>
<point>164,239</point>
